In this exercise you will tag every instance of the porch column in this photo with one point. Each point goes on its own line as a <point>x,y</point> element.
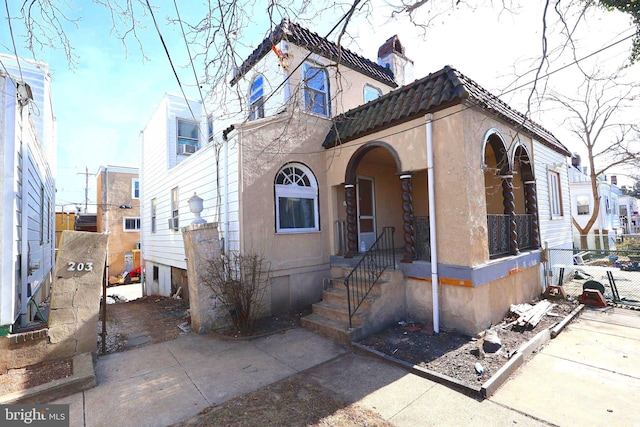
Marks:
<point>352,227</point>
<point>531,208</point>
<point>510,209</point>
<point>407,218</point>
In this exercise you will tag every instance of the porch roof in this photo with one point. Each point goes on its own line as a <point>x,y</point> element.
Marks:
<point>432,93</point>
<point>315,43</point>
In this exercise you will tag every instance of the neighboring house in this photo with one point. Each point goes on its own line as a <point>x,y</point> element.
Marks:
<point>316,161</point>
<point>629,214</point>
<point>607,226</point>
<point>27,234</point>
<point>118,215</point>
<point>64,221</point>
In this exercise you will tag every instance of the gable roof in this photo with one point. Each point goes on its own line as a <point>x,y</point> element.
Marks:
<point>294,33</point>
<point>435,92</point>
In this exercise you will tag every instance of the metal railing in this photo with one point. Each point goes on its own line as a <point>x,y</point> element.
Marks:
<point>368,270</point>
<point>524,229</point>
<point>498,228</point>
<point>498,231</point>
<point>340,234</point>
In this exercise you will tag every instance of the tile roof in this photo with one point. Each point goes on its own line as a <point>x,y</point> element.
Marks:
<point>435,92</point>
<point>317,44</point>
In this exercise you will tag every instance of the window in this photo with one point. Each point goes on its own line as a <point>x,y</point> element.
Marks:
<point>607,205</point>
<point>156,273</point>
<point>135,188</point>
<point>583,205</point>
<point>174,221</point>
<point>296,199</point>
<point>131,224</point>
<point>154,210</point>
<point>210,128</point>
<point>256,99</point>
<point>371,93</point>
<point>188,137</point>
<point>316,90</point>
<point>555,194</point>
<point>43,217</point>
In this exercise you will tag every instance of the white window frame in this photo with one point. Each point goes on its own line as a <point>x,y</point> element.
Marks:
<point>210,127</point>
<point>295,191</point>
<point>175,211</point>
<point>256,98</point>
<point>136,228</point>
<point>555,194</point>
<point>154,212</point>
<point>187,139</point>
<point>369,90</point>
<point>135,181</point>
<point>583,197</point>
<point>309,106</point>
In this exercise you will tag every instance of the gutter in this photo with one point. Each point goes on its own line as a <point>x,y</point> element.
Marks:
<point>433,246</point>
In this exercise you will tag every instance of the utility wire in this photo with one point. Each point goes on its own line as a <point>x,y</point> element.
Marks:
<point>13,41</point>
<point>195,75</point>
<point>169,58</point>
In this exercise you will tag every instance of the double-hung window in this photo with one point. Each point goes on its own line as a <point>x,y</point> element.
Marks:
<point>256,98</point>
<point>296,199</point>
<point>316,89</point>
<point>555,194</point>
<point>131,223</point>
<point>135,188</point>
<point>154,211</point>
<point>188,137</point>
<point>582,203</point>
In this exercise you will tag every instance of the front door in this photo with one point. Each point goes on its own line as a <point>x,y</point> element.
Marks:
<point>366,213</point>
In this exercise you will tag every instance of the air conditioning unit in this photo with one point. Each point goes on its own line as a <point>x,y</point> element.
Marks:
<point>186,149</point>
<point>174,223</point>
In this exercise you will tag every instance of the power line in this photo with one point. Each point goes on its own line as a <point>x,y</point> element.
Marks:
<point>195,75</point>
<point>169,58</point>
<point>13,41</point>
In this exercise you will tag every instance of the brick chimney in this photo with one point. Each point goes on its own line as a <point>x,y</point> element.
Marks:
<point>391,55</point>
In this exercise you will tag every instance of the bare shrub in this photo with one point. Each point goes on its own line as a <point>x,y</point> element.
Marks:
<point>239,282</point>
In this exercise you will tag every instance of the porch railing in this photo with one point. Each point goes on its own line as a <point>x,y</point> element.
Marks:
<point>366,273</point>
<point>498,230</point>
<point>523,228</point>
<point>340,234</point>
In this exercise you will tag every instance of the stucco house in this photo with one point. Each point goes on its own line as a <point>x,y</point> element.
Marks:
<point>327,169</point>
<point>27,156</point>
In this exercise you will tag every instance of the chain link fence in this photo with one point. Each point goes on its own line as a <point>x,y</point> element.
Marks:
<point>616,270</point>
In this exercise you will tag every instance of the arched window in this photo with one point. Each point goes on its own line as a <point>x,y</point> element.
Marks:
<point>316,90</point>
<point>371,93</point>
<point>296,199</point>
<point>256,98</point>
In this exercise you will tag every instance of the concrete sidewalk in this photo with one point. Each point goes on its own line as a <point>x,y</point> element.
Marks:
<point>588,375</point>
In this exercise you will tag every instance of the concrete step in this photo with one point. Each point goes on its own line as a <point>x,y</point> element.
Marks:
<point>336,312</point>
<point>336,330</point>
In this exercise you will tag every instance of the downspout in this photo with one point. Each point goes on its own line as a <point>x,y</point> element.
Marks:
<point>432,224</point>
<point>226,193</point>
<point>24,213</point>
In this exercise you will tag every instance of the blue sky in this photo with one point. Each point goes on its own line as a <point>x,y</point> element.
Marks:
<point>102,106</point>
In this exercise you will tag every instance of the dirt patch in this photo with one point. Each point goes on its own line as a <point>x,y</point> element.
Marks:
<point>266,325</point>
<point>295,401</point>
<point>143,321</point>
<point>32,376</point>
<point>454,354</point>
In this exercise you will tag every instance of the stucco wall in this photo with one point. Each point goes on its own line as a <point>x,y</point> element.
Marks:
<point>472,309</point>
<point>298,260</point>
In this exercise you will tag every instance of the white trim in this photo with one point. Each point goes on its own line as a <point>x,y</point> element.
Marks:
<point>295,191</point>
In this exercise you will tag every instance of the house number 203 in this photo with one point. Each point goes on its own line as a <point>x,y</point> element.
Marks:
<point>79,266</point>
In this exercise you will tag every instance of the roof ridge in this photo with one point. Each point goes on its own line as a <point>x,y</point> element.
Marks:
<point>299,35</point>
